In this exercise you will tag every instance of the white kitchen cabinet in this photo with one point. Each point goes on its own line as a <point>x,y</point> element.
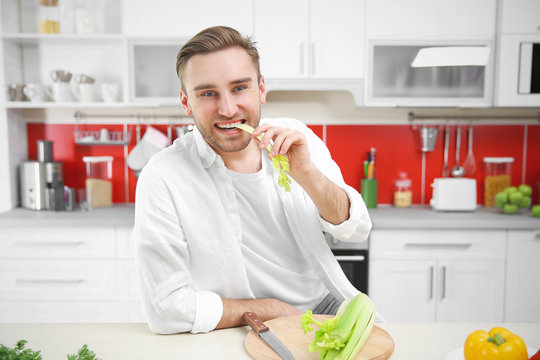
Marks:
<point>431,20</point>
<point>185,18</point>
<point>437,275</point>
<point>520,16</point>
<point>313,38</point>
<point>68,274</point>
<point>522,291</point>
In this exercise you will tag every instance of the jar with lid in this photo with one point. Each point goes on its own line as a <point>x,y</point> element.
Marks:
<point>498,176</point>
<point>49,17</point>
<point>402,191</point>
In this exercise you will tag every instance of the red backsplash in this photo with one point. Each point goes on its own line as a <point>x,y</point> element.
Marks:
<point>397,150</point>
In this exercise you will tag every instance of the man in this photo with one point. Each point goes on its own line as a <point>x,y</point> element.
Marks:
<point>216,236</point>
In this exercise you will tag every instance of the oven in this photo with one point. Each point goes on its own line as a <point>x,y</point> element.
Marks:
<point>354,260</point>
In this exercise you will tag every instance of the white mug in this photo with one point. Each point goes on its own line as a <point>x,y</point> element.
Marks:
<point>34,92</point>
<point>60,92</point>
<point>84,92</point>
<point>109,92</point>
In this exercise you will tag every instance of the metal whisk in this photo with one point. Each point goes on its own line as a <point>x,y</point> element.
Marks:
<point>470,161</point>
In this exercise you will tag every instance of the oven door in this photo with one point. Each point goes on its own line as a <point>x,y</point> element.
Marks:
<point>354,263</point>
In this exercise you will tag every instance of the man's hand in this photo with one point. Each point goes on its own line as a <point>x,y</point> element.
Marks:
<point>331,201</point>
<point>266,309</point>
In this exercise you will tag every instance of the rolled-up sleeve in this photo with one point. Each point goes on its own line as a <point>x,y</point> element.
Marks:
<point>171,302</point>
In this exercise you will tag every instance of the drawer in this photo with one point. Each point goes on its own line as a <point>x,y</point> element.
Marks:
<point>442,244</point>
<point>128,285</point>
<point>56,242</point>
<point>58,280</point>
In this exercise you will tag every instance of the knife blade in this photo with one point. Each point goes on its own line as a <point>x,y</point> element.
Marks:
<point>267,335</point>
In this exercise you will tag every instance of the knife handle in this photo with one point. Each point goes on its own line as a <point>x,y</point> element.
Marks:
<point>256,324</point>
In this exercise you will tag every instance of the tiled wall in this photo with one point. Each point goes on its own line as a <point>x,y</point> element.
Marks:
<point>397,150</point>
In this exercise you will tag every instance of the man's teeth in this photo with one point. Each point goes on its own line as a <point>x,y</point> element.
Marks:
<point>229,125</point>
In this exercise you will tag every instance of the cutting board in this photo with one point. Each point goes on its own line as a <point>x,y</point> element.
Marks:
<point>379,345</point>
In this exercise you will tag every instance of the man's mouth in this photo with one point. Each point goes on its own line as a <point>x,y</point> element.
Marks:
<point>229,125</point>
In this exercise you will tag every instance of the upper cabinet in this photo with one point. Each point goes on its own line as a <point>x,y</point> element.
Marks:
<point>430,53</point>
<point>183,18</point>
<point>518,69</point>
<point>314,45</point>
<point>429,20</point>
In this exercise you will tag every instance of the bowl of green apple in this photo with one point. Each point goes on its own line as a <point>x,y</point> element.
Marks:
<point>515,199</point>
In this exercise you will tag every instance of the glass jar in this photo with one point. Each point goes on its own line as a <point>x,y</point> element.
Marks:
<point>98,180</point>
<point>49,16</point>
<point>498,176</point>
<point>402,191</point>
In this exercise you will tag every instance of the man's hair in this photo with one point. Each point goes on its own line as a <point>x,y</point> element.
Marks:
<point>214,39</point>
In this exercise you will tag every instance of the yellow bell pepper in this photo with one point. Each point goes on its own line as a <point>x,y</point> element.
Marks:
<point>498,344</point>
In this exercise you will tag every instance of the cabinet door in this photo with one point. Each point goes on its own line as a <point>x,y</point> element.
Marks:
<point>522,291</point>
<point>281,32</point>
<point>337,38</point>
<point>186,18</point>
<point>430,19</point>
<point>470,291</point>
<point>403,290</point>
<point>520,17</point>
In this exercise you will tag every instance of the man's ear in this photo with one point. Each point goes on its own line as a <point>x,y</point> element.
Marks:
<point>262,91</point>
<point>185,103</point>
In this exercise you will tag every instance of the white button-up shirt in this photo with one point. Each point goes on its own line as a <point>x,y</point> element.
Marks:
<point>188,234</point>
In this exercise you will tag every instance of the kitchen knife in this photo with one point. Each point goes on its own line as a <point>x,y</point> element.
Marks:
<point>267,335</point>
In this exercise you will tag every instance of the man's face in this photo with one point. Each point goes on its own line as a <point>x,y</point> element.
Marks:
<point>221,90</point>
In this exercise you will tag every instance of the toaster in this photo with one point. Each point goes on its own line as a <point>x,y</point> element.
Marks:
<point>454,194</point>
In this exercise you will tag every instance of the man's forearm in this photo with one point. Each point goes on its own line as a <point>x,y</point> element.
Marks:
<point>266,309</point>
<point>331,201</point>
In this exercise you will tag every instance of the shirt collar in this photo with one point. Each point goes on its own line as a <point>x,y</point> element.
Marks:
<point>207,154</point>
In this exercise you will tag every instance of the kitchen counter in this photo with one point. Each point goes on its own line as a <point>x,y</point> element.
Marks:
<point>383,217</point>
<point>413,341</point>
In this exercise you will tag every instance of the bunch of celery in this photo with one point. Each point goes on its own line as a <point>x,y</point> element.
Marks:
<point>343,336</point>
<point>280,162</point>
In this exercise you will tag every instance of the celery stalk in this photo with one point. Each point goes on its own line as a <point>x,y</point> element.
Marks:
<point>280,162</point>
<point>360,334</point>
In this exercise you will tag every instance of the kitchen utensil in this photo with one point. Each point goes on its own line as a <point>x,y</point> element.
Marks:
<point>84,92</point>
<point>60,76</point>
<point>268,336</point>
<point>458,170</point>
<point>16,92</point>
<point>470,162</point>
<point>60,92</point>
<point>108,92</point>
<point>445,170</point>
<point>428,136</point>
<point>34,92</point>
<point>379,345</point>
<point>84,79</point>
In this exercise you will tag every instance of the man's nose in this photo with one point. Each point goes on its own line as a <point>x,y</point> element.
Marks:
<point>227,106</point>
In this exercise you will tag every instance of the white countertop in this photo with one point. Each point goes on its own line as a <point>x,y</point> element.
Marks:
<point>383,217</point>
<point>413,341</point>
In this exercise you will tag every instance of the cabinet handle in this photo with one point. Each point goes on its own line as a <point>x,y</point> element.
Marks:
<point>439,245</point>
<point>312,58</point>
<point>537,234</point>
<point>302,58</point>
<point>356,258</point>
<point>431,276</point>
<point>443,282</point>
<point>49,281</point>
<point>49,243</point>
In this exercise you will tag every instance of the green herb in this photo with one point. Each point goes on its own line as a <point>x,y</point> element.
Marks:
<point>83,354</point>
<point>280,162</point>
<point>343,336</point>
<point>19,352</point>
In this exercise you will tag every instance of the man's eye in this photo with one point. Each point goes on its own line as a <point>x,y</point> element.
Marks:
<point>208,93</point>
<point>240,88</point>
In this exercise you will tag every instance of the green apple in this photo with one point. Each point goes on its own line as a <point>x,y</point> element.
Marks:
<point>536,210</point>
<point>510,208</point>
<point>515,197</point>
<point>511,189</point>
<point>525,202</point>
<point>525,189</point>
<point>501,199</point>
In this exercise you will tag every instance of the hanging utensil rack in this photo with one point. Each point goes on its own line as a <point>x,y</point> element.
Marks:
<point>486,119</point>
<point>94,137</point>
